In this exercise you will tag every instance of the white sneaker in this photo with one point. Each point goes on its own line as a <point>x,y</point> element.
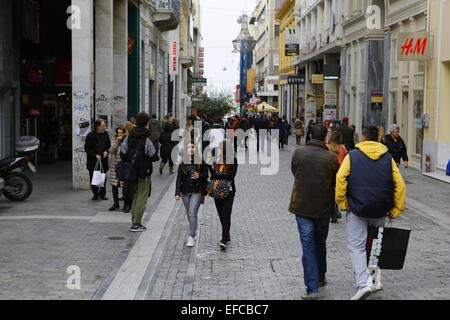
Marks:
<point>376,275</point>
<point>190,243</point>
<point>362,293</point>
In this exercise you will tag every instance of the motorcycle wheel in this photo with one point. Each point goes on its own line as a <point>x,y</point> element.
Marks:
<point>18,187</point>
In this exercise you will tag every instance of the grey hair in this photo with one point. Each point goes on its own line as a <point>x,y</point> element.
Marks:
<point>393,127</point>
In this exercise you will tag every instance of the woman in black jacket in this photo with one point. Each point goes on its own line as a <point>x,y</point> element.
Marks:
<point>191,188</point>
<point>396,145</point>
<point>221,170</point>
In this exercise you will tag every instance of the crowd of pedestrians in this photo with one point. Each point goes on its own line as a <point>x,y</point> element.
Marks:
<point>334,174</point>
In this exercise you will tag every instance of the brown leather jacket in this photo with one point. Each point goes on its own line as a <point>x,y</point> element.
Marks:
<point>314,169</point>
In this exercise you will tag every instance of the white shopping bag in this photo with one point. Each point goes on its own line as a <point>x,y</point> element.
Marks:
<point>99,177</point>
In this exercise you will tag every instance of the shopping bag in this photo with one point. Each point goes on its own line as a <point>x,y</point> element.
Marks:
<point>126,171</point>
<point>99,176</point>
<point>387,247</point>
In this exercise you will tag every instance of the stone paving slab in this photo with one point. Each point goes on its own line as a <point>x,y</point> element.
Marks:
<point>58,227</point>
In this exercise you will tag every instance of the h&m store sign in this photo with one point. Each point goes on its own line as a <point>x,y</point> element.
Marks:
<point>415,46</point>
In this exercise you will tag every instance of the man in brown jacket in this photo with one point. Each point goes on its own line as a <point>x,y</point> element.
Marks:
<point>313,203</point>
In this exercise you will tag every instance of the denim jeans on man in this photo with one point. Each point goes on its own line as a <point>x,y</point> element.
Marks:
<point>313,237</point>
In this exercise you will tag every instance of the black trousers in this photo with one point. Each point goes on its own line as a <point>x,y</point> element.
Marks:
<point>224,208</point>
<point>128,193</point>
<point>98,192</point>
<point>164,160</point>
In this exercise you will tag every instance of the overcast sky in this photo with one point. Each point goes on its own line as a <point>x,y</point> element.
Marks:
<point>219,29</point>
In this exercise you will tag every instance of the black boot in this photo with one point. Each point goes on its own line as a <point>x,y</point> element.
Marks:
<point>114,207</point>
<point>126,207</point>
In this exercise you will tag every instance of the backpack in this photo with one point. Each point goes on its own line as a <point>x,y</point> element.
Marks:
<point>127,171</point>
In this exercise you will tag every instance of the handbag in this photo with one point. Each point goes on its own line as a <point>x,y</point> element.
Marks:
<point>387,247</point>
<point>99,175</point>
<point>219,189</point>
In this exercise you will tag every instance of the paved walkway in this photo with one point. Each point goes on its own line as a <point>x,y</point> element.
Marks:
<point>264,262</point>
<point>58,227</point>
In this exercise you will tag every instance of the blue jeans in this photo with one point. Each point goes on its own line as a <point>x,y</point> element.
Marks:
<point>313,237</point>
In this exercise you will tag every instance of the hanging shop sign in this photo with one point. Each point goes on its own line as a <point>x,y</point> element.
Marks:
<point>173,39</point>
<point>330,112</point>
<point>296,80</point>
<point>199,80</point>
<point>291,50</point>
<point>317,78</point>
<point>415,46</point>
<point>377,96</point>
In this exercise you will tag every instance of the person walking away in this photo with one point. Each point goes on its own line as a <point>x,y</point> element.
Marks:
<point>283,133</point>
<point>356,137</point>
<point>245,125</point>
<point>299,131</point>
<point>335,145</point>
<point>167,146</point>
<point>370,188</point>
<point>308,131</point>
<point>348,134</point>
<point>221,170</point>
<point>97,147</point>
<point>217,135</point>
<point>139,142</point>
<point>396,146</point>
<point>191,188</point>
<point>155,129</point>
<point>313,204</point>
<point>260,124</point>
<point>114,159</point>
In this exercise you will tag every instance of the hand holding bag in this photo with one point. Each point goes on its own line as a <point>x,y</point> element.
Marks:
<point>99,176</point>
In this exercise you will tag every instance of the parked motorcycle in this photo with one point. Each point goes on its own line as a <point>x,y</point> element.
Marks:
<point>17,186</point>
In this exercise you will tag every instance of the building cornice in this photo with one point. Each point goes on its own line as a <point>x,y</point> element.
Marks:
<point>409,9</point>
<point>286,6</point>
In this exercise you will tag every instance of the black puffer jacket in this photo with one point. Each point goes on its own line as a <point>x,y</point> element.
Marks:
<point>396,148</point>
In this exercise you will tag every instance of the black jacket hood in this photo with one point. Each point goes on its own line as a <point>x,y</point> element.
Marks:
<point>140,133</point>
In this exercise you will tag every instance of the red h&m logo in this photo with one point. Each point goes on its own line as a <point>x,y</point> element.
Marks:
<point>414,46</point>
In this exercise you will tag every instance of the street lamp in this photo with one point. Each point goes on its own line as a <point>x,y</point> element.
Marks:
<point>244,43</point>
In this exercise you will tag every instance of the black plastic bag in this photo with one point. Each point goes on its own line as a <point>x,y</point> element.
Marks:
<point>387,247</point>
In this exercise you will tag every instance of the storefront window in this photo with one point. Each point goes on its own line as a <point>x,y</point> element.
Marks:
<point>418,111</point>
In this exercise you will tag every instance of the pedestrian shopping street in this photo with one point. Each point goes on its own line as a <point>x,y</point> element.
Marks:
<point>59,227</point>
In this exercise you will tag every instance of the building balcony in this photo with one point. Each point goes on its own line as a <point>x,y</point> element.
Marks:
<point>187,55</point>
<point>167,15</point>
